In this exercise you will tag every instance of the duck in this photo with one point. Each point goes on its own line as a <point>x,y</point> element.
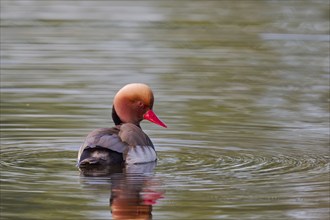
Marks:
<point>126,142</point>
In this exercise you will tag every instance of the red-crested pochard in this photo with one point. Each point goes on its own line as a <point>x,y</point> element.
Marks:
<point>126,142</point>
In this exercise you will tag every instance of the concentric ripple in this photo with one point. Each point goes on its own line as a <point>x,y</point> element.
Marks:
<point>252,166</point>
<point>245,181</point>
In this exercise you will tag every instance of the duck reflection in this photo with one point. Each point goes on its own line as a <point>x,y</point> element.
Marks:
<point>134,193</point>
<point>134,190</point>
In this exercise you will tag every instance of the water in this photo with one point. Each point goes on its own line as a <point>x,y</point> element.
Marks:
<point>242,85</point>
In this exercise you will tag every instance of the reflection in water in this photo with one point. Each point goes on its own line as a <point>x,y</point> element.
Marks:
<point>134,190</point>
<point>100,170</point>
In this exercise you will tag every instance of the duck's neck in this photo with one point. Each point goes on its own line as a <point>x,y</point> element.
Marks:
<point>117,120</point>
<point>115,117</point>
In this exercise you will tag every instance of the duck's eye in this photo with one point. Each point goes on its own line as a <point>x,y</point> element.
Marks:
<point>141,105</point>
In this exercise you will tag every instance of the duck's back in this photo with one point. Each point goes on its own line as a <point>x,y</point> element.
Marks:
<point>102,147</point>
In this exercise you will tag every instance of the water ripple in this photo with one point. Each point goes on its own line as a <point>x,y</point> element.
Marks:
<point>190,161</point>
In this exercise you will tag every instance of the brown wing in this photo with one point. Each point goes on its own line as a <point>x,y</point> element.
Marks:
<point>134,136</point>
<point>104,138</point>
<point>140,148</point>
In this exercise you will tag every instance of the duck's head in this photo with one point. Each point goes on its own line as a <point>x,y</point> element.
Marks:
<point>133,103</point>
